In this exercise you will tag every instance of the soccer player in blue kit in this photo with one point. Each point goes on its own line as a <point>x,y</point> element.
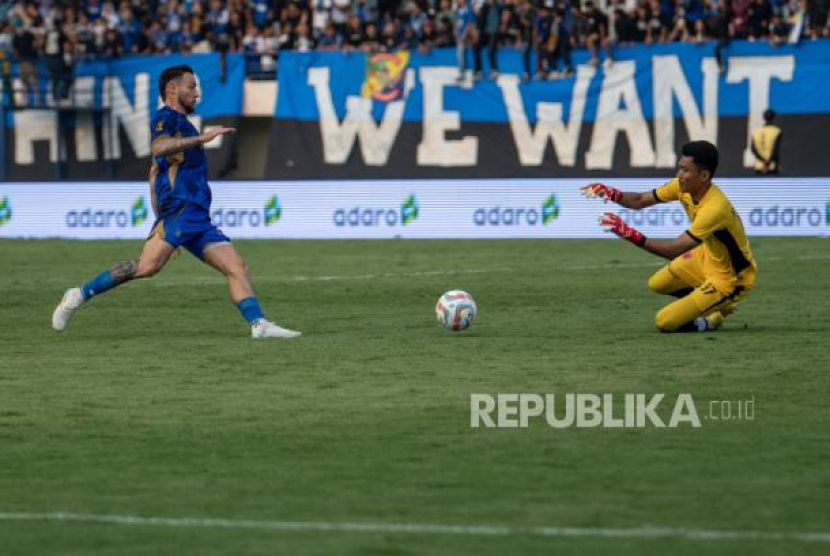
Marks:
<point>181,200</point>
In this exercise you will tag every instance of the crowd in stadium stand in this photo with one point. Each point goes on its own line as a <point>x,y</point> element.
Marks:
<point>63,31</point>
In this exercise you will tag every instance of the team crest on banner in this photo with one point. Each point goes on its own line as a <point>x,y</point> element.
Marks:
<point>384,79</point>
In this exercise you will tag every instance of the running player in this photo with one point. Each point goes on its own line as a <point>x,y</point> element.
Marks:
<point>181,200</point>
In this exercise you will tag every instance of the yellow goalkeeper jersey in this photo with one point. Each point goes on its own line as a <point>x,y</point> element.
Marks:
<point>728,260</point>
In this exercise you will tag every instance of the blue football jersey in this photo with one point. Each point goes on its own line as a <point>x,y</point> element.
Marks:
<point>180,178</point>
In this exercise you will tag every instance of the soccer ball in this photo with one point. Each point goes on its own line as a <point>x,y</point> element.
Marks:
<point>456,310</point>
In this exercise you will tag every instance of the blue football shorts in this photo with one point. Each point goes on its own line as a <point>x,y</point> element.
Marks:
<point>191,228</point>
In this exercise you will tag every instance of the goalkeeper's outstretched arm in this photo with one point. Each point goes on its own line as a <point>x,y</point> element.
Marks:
<point>666,248</point>
<point>629,200</point>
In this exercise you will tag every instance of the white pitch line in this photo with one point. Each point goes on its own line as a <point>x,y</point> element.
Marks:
<point>425,528</point>
<point>333,278</point>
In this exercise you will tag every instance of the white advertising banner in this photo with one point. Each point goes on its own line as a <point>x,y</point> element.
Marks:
<point>407,209</point>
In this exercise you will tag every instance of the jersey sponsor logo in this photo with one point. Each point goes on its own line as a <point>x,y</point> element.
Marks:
<point>108,217</point>
<point>404,215</point>
<point>268,215</point>
<point>5,210</point>
<point>518,216</point>
<point>783,216</point>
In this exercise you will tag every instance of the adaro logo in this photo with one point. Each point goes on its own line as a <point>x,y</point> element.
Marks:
<point>108,218</point>
<point>248,218</point>
<point>6,210</point>
<point>518,216</point>
<point>380,216</point>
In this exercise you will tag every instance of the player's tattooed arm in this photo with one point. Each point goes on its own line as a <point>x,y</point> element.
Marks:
<point>123,271</point>
<point>165,145</point>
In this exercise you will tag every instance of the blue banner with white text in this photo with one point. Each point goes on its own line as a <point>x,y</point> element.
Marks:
<point>101,124</point>
<point>408,115</point>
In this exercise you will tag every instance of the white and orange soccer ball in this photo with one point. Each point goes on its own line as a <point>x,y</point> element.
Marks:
<point>456,310</point>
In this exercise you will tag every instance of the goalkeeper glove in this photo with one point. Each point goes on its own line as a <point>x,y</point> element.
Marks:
<point>602,191</point>
<point>610,222</point>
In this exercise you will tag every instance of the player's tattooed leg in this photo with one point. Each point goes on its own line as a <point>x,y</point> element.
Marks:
<point>123,271</point>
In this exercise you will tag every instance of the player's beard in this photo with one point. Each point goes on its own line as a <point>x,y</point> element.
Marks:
<point>189,108</point>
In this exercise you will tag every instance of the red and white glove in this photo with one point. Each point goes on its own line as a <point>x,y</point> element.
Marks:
<point>610,222</point>
<point>602,191</point>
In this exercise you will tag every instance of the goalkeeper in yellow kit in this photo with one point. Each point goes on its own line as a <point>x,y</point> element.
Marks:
<point>712,267</point>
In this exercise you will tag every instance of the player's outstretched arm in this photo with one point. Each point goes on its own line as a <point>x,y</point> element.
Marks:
<point>165,145</point>
<point>629,200</point>
<point>666,248</point>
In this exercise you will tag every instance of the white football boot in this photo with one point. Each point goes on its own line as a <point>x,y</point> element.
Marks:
<point>72,299</point>
<point>267,329</point>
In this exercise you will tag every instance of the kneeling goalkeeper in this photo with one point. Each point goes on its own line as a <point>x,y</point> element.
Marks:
<point>712,267</point>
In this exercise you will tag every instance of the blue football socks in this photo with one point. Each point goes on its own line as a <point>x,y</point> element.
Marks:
<point>251,312</point>
<point>98,285</point>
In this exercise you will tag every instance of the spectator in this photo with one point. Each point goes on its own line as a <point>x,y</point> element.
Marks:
<point>408,39</point>
<point>130,31</point>
<point>25,50</point>
<point>158,37</point>
<point>267,46</point>
<point>817,18</point>
<point>56,48</point>
<point>444,35</point>
<point>596,33</point>
<point>113,45</point>
<point>427,37</point>
<point>445,15</point>
<point>560,46</point>
<point>510,34</point>
<point>331,39</point>
<point>321,16</point>
<point>695,20</point>
<point>540,35</point>
<point>371,38</point>
<point>416,17</point>
<point>526,16</point>
<point>305,40</point>
<point>353,34</point>
<point>665,19</point>
<point>340,14</point>
<point>759,15</point>
<point>262,15</point>
<point>766,145</point>
<point>389,36</point>
<point>489,26</point>
<point>466,35</point>
<point>8,99</point>
<point>680,26</point>
<point>778,30</point>
<point>739,18</point>
<point>624,26</point>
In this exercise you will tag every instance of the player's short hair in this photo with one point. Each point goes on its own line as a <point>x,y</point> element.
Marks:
<point>704,154</point>
<point>171,73</point>
<point>769,115</point>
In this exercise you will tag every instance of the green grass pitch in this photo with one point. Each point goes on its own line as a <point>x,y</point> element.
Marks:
<point>156,403</point>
